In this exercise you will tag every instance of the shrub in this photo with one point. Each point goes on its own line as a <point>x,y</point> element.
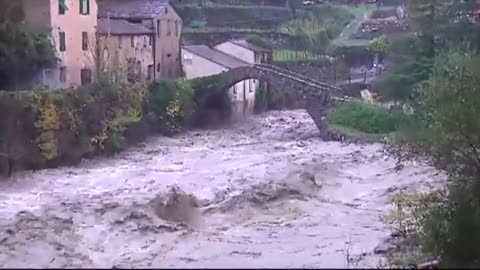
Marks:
<point>51,127</point>
<point>48,128</point>
<point>445,129</point>
<point>171,103</point>
<point>259,41</point>
<point>368,118</point>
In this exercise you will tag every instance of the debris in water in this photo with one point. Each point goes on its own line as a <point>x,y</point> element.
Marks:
<point>176,205</point>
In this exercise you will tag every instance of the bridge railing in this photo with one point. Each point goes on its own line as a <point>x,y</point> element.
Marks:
<point>298,76</point>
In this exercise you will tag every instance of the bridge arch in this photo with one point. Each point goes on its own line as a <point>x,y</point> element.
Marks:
<point>314,96</point>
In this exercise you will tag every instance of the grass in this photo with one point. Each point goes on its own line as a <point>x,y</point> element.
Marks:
<point>357,136</point>
<point>292,55</point>
<point>360,10</point>
<point>309,26</point>
<point>364,117</point>
<point>330,18</point>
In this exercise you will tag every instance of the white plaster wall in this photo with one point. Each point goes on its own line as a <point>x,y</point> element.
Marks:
<point>237,51</point>
<point>195,66</point>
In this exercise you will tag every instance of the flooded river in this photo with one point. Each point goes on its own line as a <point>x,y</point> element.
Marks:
<point>266,193</point>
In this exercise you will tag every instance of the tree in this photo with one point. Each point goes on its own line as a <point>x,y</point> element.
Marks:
<point>380,46</point>
<point>424,19</point>
<point>438,25</point>
<point>410,68</point>
<point>23,51</point>
<point>445,128</point>
<point>441,23</point>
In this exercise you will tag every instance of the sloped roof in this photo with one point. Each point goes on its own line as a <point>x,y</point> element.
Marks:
<point>121,27</point>
<point>215,56</point>
<point>132,8</point>
<point>248,45</point>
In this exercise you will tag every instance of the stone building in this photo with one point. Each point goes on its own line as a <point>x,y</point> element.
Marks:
<point>73,27</point>
<point>125,51</point>
<point>201,61</point>
<point>161,19</point>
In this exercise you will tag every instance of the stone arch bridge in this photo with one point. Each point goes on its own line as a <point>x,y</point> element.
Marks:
<point>315,97</point>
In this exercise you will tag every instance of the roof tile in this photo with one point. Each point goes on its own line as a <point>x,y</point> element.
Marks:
<point>215,56</point>
<point>121,27</point>
<point>132,8</point>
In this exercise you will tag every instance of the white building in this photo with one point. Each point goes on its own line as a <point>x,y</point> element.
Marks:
<point>201,61</point>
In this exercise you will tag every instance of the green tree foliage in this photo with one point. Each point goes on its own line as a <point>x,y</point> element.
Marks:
<point>317,26</point>
<point>23,51</point>
<point>439,67</point>
<point>410,67</point>
<point>259,41</point>
<point>40,128</point>
<point>445,128</point>
<point>171,104</point>
<point>438,25</point>
<point>441,23</point>
<point>379,45</point>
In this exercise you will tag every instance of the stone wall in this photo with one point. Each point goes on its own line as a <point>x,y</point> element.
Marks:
<point>168,28</point>
<point>126,57</point>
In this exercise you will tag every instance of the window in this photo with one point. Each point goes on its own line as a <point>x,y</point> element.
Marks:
<point>61,7</point>
<point>235,89</point>
<point>63,45</point>
<point>176,28</point>
<point>250,86</point>
<point>119,41</point>
<point>158,67</point>
<point>166,10</point>
<point>133,20</point>
<point>187,58</point>
<point>132,41</point>
<point>131,72</point>
<point>84,7</point>
<point>169,28</point>
<point>159,28</point>
<point>150,40</point>
<point>150,72</point>
<point>85,76</point>
<point>145,42</point>
<point>84,41</point>
<point>63,74</point>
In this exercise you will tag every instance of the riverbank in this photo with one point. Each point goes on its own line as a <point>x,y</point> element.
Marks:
<point>266,193</point>
<point>49,128</point>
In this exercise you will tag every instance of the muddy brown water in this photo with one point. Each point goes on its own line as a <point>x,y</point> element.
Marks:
<point>266,193</point>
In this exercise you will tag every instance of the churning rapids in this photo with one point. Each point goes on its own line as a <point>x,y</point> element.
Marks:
<point>266,193</point>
